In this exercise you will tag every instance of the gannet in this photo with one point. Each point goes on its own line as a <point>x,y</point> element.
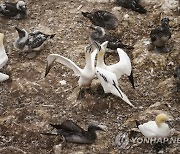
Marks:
<point>110,84</point>
<point>157,128</point>
<point>161,35</point>
<point>100,36</point>
<point>133,5</point>
<point>16,10</point>
<point>86,74</point>
<point>120,68</point>
<point>30,42</point>
<point>3,58</point>
<point>73,133</point>
<point>102,18</point>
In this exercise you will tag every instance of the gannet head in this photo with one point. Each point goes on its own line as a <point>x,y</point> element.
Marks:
<point>161,118</point>
<point>21,6</point>
<point>98,30</point>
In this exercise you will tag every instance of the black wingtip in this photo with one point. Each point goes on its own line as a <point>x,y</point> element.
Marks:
<point>137,123</point>
<point>131,79</point>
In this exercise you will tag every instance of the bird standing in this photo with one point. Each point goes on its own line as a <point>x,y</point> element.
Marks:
<point>160,36</point>
<point>102,18</point>
<point>120,68</point>
<point>16,10</point>
<point>3,58</point>
<point>110,84</point>
<point>86,75</point>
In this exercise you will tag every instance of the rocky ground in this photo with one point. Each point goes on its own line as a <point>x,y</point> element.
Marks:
<point>28,101</point>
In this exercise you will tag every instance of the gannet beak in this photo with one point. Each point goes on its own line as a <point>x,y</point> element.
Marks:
<point>92,27</point>
<point>102,127</point>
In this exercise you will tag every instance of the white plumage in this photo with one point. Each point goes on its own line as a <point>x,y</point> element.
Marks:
<point>157,128</point>
<point>86,75</point>
<point>3,58</point>
<point>110,84</point>
<point>120,68</point>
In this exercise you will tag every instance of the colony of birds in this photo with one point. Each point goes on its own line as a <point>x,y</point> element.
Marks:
<point>100,44</point>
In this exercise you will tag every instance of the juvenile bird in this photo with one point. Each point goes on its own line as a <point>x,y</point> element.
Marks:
<point>177,77</point>
<point>16,10</point>
<point>102,18</point>
<point>86,74</point>
<point>160,36</point>
<point>100,36</point>
<point>3,58</point>
<point>133,5</point>
<point>120,68</point>
<point>110,84</point>
<point>71,132</point>
<point>31,42</point>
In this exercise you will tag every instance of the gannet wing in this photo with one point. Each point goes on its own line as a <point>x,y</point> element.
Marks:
<point>3,77</point>
<point>3,58</point>
<point>110,84</point>
<point>65,61</point>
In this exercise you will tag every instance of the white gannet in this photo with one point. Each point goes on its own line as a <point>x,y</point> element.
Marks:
<point>120,68</point>
<point>157,128</point>
<point>110,84</point>
<point>86,74</point>
<point>3,58</point>
<point>16,10</point>
<point>33,41</point>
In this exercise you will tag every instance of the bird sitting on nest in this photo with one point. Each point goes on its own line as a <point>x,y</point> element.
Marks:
<point>30,42</point>
<point>177,77</point>
<point>100,36</point>
<point>3,58</point>
<point>102,18</point>
<point>160,36</point>
<point>133,5</point>
<point>73,133</point>
<point>16,10</point>
<point>156,129</point>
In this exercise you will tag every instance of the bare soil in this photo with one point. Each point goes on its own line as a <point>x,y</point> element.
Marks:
<point>28,101</point>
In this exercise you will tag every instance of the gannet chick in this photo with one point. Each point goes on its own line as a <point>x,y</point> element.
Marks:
<point>73,133</point>
<point>102,18</point>
<point>30,42</point>
<point>3,58</point>
<point>100,36</point>
<point>177,77</point>
<point>161,35</point>
<point>133,5</point>
<point>157,128</point>
<point>86,74</point>
<point>110,84</point>
<point>16,10</point>
<point>120,68</point>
